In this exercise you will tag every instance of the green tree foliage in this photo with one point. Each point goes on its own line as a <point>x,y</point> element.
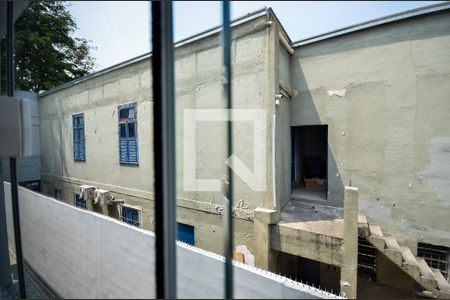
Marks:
<point>45,52</point>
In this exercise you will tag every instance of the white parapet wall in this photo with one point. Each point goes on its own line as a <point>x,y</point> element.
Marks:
<point>81,254</point>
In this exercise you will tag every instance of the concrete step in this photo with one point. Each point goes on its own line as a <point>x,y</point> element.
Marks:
<point>376,237</point>
<point>432,281</point>
<point>408,256</point>
<point>410,264</point>
<point>393,250</point>
<point>391,244</point>
<point>362,219</point>
<point>375,230</point>
<point>427,279</point>
<point>425,270</point>
<point>441,281</point>
<point>444,286</point>
<point>363,225</point>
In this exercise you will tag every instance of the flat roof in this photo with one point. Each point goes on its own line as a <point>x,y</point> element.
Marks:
<point>407,14</point>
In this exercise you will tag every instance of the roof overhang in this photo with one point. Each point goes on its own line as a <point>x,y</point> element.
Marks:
<point>373,23</point>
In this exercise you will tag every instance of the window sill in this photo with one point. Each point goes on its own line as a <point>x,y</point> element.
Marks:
<point>129,164</point>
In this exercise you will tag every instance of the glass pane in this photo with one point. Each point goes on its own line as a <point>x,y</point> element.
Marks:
<point>123,131</point>
<point>200,133</point>
<point>131,129</point>
<point>131,113</point>
<point>123,114</point>
<point>60,139</point>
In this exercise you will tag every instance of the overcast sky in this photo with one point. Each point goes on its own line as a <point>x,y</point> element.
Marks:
<point>120,29</point>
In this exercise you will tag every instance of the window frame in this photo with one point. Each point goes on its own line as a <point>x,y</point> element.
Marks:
<point>76,144</point>
<point>138,210</point>
<point>57,193</point>
<point>126,121</point>
<point>367,260</point>
<point>437,257</point>
<point>77,199</point>
<point>179,226</point>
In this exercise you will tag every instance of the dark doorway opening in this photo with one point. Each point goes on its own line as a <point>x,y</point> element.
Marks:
<point>309,161</point>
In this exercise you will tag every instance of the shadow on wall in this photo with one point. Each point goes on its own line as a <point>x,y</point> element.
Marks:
<point>367,70</point>
<point>304,104</point>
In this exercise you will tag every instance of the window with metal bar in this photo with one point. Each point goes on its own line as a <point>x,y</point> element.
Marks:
<point>367,260</point>
<point>79,150</point>
<point>80,202</point>
<point>130,215</point>
<point>436,256</point>
<point>128,140</point>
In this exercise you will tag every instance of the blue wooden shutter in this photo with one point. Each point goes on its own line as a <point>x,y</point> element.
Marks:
<point>185,234</point>
<point>123,143</point>
<point>81,144</point>
<point>78,137</point>
<point>75,138</point>
<point>128,141</point>
<point>132,135</point>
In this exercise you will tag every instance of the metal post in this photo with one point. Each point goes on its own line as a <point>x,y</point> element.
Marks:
<point>5,272</point>
<point>12,160</point>
<point>226,68</point>
<point>164,148</point>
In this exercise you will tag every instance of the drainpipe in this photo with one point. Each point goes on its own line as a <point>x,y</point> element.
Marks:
<point>285,44</point>
<point>278,97</point>
<point>274,181</point>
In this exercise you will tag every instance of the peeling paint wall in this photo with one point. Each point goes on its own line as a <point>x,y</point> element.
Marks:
<point>383,92</point>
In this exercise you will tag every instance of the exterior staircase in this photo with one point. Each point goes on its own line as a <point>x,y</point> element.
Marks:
<point>430,279</point>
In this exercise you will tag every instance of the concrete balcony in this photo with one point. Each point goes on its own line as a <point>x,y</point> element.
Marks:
<point>312,231</point>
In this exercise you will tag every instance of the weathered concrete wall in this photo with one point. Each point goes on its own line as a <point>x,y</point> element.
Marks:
<point>81,254</point>
<point>198,85</point>
<point>390,133</point>
<point>283,133</point>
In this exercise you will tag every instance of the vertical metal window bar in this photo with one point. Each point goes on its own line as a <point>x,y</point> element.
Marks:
<point>436,256</point>
<point>226,69</point>
<point>12,160</point>
<point>164,147</point>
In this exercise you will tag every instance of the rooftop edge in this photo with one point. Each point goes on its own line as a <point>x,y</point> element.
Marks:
<point>407,14</point>
<point>247,17</point>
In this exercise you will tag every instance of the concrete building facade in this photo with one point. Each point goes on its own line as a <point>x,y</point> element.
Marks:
<point>364,107</point>
<point>390,132</point>
<point>198,67</point>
